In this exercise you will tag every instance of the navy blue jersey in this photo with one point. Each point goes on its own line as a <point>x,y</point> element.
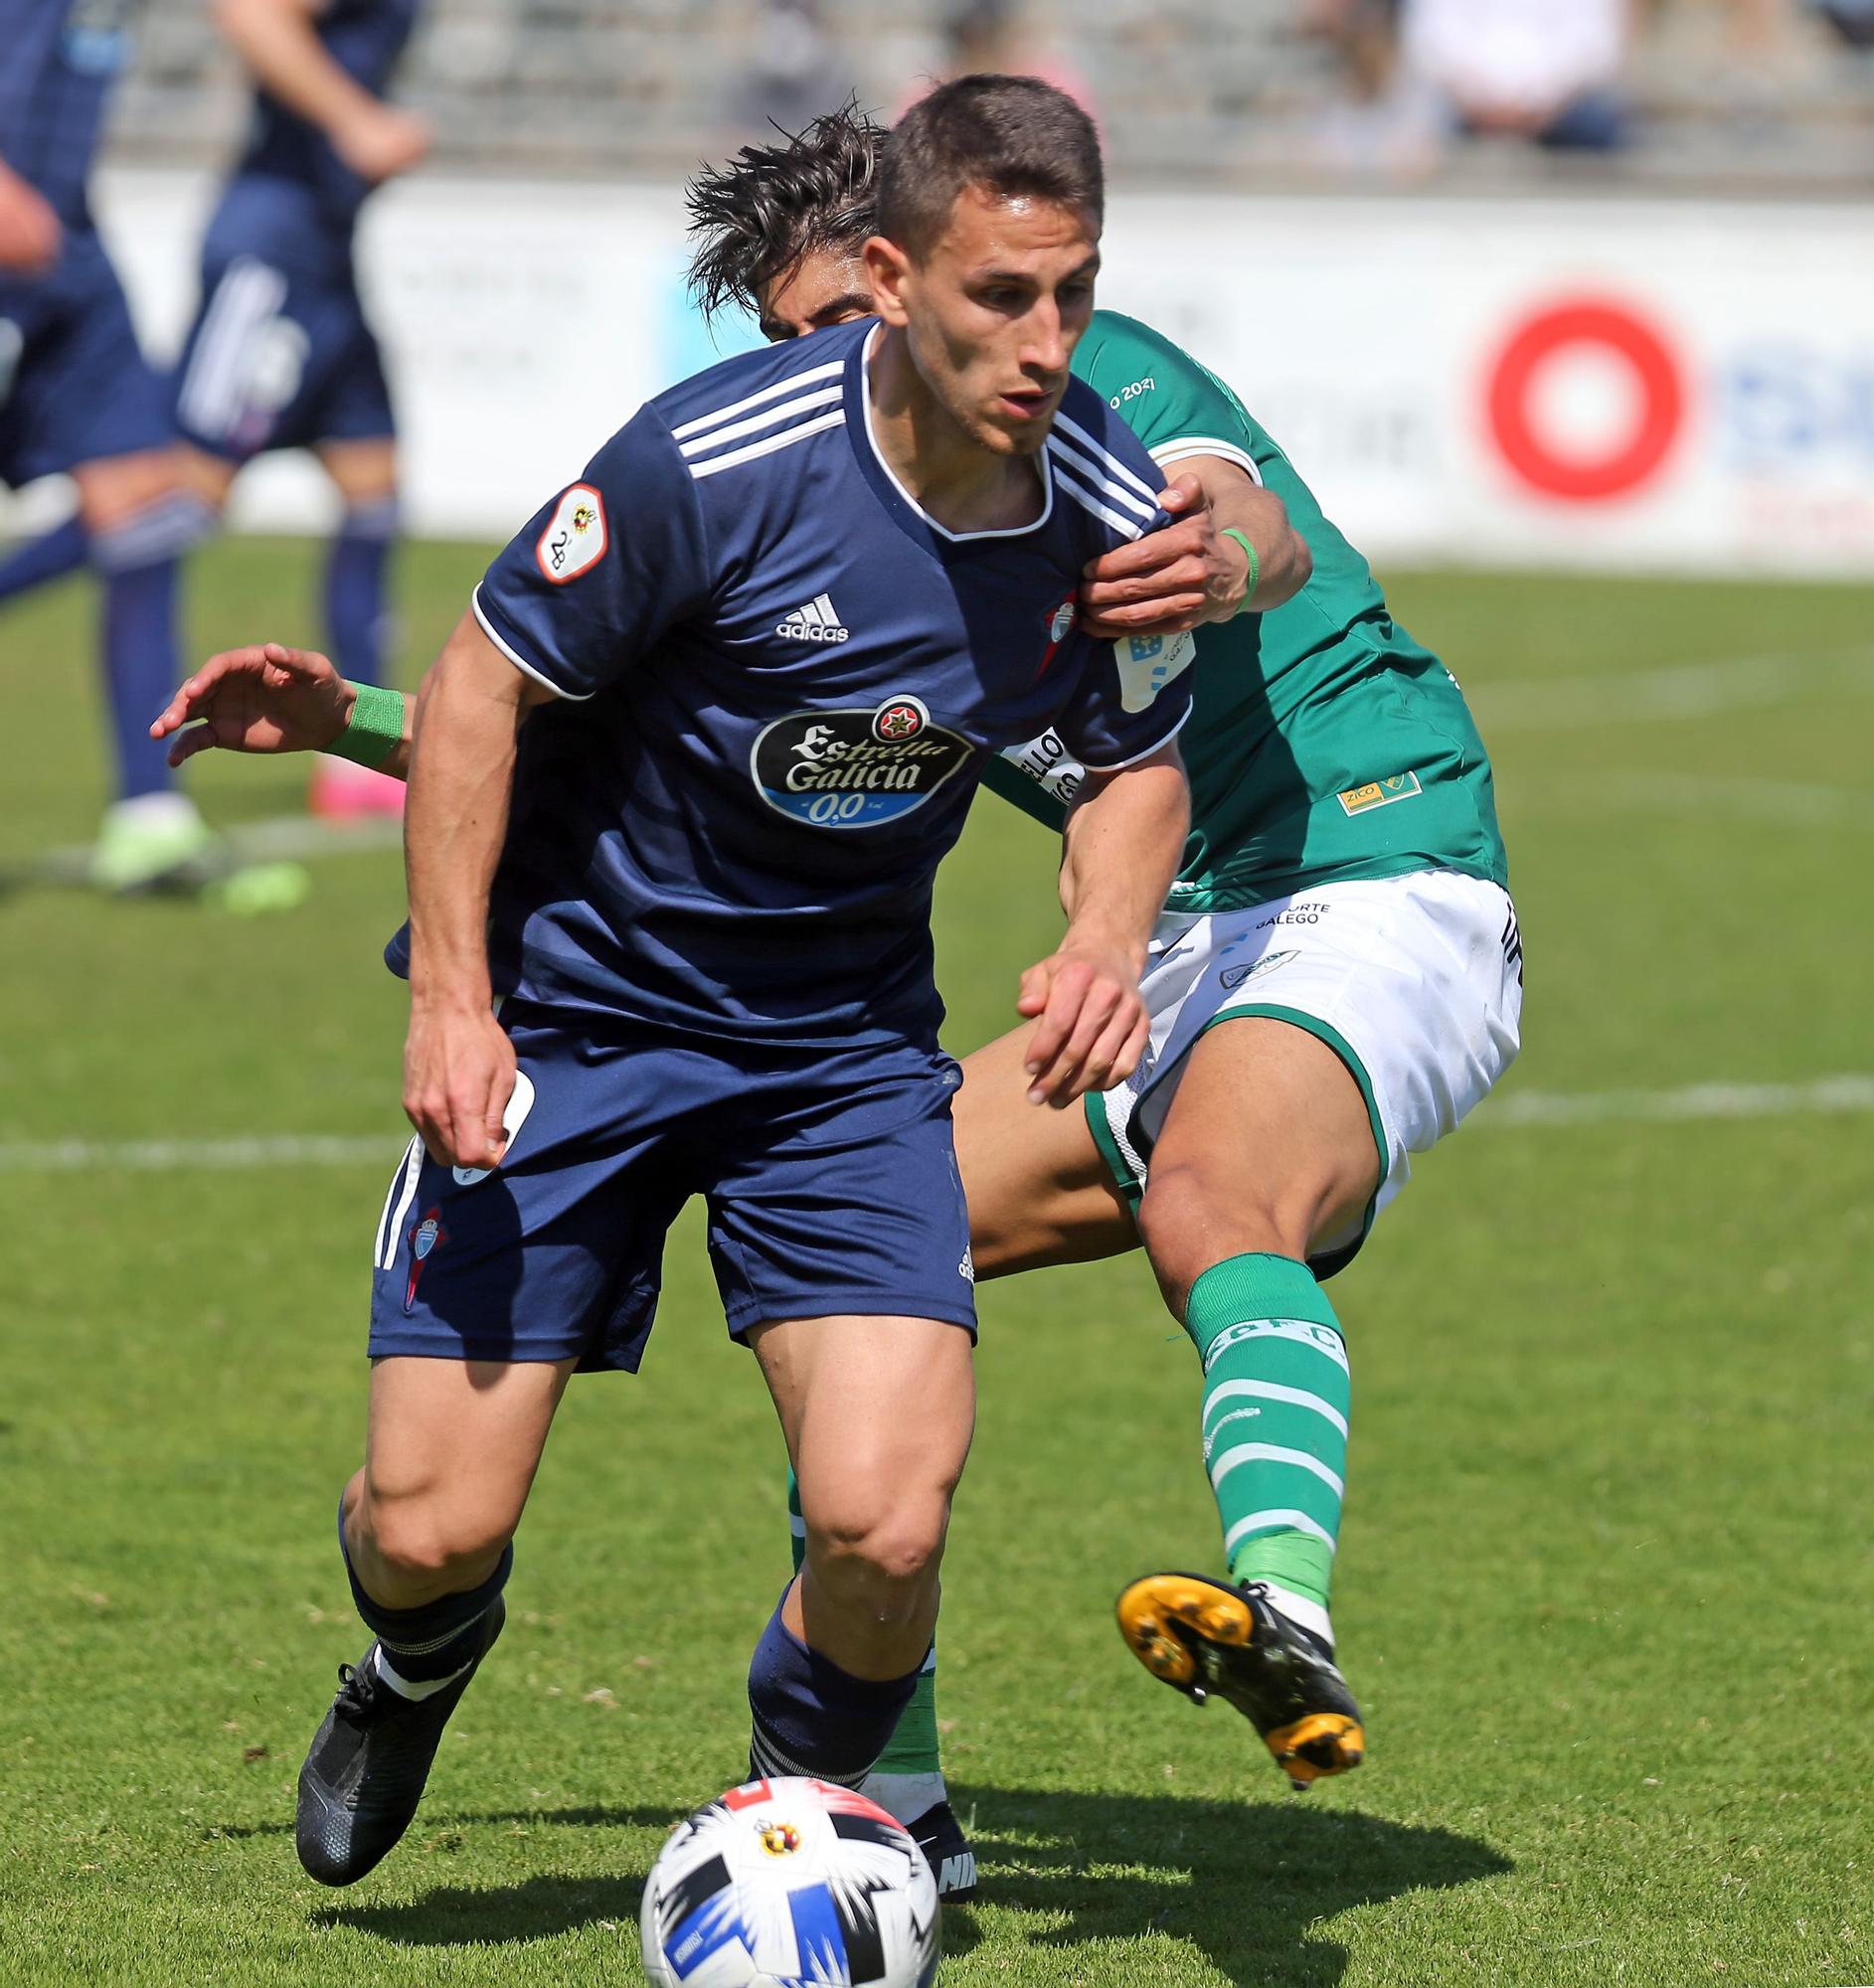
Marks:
<point>366,38</point>
<point>780,680</point>
<point>58,61</point>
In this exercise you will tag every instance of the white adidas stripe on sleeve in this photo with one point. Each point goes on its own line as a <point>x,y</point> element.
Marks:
<point>781,411</point>
<point>832,419</point>
<point>1071,486</point>
<point>1105,457</point>
<point>1107,486</point>
<point>774,392</point>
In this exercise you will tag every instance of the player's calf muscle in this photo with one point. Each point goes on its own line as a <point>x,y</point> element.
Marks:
<point>1200,1209</point>
<point>1265,1148</point>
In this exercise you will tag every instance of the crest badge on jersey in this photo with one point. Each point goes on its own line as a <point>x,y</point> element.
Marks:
<point>1060,627</point>
<point>903,719</point>
<point>576,537</point>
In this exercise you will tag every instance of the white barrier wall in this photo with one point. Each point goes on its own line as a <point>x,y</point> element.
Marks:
<point>1609,384</point>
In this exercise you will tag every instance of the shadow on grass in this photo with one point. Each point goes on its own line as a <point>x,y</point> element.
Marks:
<point>1243,1882</point>
<point>496,1915</point>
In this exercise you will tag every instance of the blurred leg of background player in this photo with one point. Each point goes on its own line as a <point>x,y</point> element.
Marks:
<point>282,354</point>
<point>77,398</point>
<point>284,360</point>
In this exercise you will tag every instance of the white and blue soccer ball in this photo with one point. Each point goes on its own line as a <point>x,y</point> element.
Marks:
<point>790,1883</point>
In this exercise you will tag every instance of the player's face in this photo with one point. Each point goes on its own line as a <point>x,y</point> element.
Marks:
<point>825,287</point>
<point>993,311</point>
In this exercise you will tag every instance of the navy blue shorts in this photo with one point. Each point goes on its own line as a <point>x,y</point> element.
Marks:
<point>280,357</point>
<point>829,1177</point>
<point>75,385</point>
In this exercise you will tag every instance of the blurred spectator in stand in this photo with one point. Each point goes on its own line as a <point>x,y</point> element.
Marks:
<point>794,71</point>
<point>1852,20</point>
<point>988,37</point>
<point>1544,70</point>
<point>1385,122</point>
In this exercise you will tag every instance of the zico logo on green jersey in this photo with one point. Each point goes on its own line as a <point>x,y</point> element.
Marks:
<point>1380,793</point>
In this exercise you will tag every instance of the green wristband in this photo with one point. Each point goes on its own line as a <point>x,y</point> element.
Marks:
<point>375,729</point>
<point>1256,564</point>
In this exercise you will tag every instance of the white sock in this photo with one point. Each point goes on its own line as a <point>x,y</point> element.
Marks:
<point>412,1688</point>
<point>1302,1612</point>
<point>905,1797</point>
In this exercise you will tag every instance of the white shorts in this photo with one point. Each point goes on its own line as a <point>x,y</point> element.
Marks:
<point>1415,982</point>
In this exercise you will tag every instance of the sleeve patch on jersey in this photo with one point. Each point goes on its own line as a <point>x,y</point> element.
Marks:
<point>1149,662</point>
<point>576,537</point>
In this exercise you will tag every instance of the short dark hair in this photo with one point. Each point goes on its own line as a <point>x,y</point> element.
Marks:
<point>771,206</point>
<point>1015,136</point>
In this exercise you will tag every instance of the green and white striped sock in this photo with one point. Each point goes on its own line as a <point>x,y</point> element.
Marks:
<point>1276,1400</point>
<point>913,1744</point>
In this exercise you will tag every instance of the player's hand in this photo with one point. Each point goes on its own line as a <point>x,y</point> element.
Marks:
<point>1091,1021</point>
<point>30,235</point>
<point>264,699</point>
<point>458,1075</point>
<point>383,141</point>
<point>1171,579</point>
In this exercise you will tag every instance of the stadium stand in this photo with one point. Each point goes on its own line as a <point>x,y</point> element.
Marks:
<point>1753,93</point>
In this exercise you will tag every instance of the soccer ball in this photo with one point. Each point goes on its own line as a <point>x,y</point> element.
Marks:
<point>790,1883</point>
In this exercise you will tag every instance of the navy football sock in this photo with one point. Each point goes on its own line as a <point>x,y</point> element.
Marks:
<point>434,1642</point>
<point>49,557</point>
<point>356,620</point>
<point>812,1717</point>
<point>139,562</point>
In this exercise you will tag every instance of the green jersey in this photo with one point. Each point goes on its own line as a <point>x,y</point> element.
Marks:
<point>1323,742</point>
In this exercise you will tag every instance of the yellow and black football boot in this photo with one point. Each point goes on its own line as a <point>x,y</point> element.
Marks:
<point>1206,1639</point>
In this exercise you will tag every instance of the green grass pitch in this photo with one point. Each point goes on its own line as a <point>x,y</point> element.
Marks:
<point>1605,1580</point>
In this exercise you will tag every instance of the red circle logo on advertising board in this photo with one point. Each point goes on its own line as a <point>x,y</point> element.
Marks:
<point>1629,458</point>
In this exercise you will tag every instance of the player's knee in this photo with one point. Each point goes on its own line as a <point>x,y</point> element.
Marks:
<point>878,1555</point>
<point>425,1542</point>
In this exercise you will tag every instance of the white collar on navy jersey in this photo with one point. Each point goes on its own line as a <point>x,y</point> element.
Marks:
<point>1043,462</point>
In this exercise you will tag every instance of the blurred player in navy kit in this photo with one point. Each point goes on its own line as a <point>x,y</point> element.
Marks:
<point>79,399</point>
<point>282,355</point>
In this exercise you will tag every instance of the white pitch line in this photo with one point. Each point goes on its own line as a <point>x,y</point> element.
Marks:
<point>1676,692</point>
<point>74,1156</point>
<point>275,838</point>
<point>1823,1097</point>
<point>1722,797</point>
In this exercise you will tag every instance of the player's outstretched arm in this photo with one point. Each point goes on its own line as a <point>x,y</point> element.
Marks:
<point>268,697</point>
<point>459,1065</point>
<point>1189,573</point>
<point>278,40</point>
<point>1124,839</point>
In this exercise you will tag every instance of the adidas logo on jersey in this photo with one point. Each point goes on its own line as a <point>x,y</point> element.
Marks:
<point>817,622</point>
